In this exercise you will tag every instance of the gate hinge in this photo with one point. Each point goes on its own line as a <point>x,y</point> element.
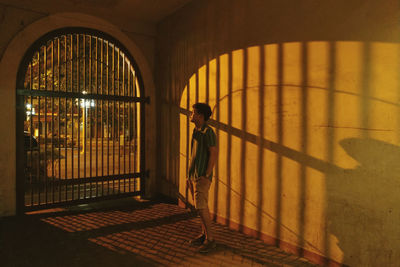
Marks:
<point>147,100</point>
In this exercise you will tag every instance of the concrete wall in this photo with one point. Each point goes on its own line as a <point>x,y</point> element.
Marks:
<point>306,98</point>
<point>19,29</point>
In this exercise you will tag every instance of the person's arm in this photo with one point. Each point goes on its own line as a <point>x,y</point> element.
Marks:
<point>211,160</point>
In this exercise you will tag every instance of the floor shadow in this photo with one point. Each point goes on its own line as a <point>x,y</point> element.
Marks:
<point>149,234</point>
<point>33,242</point>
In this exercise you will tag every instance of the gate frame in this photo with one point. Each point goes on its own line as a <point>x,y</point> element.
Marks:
<point>20,115</point>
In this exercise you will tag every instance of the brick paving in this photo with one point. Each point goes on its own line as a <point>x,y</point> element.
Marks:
<point>127,233</point>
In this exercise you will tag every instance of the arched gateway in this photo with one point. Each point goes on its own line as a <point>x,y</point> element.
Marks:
<point>80,121</point>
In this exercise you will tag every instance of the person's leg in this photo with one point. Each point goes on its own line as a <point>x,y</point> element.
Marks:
<point>190,185</point>
<point>209,243</point>
<point>206,223</point>
<point>202,186</point>
<point>191,188</point>
<point>198,240</point>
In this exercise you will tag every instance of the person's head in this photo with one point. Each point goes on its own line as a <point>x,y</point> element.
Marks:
<point>201,113</point>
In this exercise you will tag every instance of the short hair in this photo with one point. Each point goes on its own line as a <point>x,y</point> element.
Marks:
<point>204,109</point>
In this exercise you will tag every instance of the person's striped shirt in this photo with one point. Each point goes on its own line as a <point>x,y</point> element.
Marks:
<point>201,141</point>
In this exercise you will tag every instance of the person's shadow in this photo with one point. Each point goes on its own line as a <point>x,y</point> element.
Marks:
<point>363,203</point>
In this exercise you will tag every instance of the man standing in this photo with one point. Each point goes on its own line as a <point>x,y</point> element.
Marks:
<point>202,161</point>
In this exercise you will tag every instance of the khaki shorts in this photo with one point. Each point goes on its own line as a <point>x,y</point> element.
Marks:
<point>201,188</point>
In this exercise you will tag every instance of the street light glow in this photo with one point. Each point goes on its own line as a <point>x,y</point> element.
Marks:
<point>87,103</point>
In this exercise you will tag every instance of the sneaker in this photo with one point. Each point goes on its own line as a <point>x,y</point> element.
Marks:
<point>207,246</point>
<point>198,241</point>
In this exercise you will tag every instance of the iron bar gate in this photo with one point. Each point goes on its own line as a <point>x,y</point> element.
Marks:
<point>80,105</point>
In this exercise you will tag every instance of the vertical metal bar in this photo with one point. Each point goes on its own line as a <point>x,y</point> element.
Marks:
<point>89,125</point>
<point>123,115</point>
<point>84,108</point>
<point>113,114</point>
<point>139,135</point>
<point>96,113</point>
<point>118,132</point>
<point>59,119</point>
<point>72,118</point>
<point>101,115</point>
<point>90,113</point>
<point>132,129</point>
<point>108,121</point>
<point>22,116</point>
<point>66,119</point>
<point>52,119</point>
<point>39,130</point>
<point>142,147</point>
<point>45,122</point>
<point>72,150</point>
<point>135,132</point>
<point>85,58</point>
<point>129,123</point>
<point>31,135</point>
<point>78,90</point>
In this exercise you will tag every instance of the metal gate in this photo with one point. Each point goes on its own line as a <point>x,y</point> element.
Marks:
<point>80,121</point>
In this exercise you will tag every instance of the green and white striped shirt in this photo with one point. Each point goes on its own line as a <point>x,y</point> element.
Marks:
<point>201,141</point>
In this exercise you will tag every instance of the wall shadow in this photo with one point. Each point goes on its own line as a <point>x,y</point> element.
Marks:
<point>371,224</point>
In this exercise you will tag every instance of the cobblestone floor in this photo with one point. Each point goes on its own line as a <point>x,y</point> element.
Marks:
<point>130,233</point>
